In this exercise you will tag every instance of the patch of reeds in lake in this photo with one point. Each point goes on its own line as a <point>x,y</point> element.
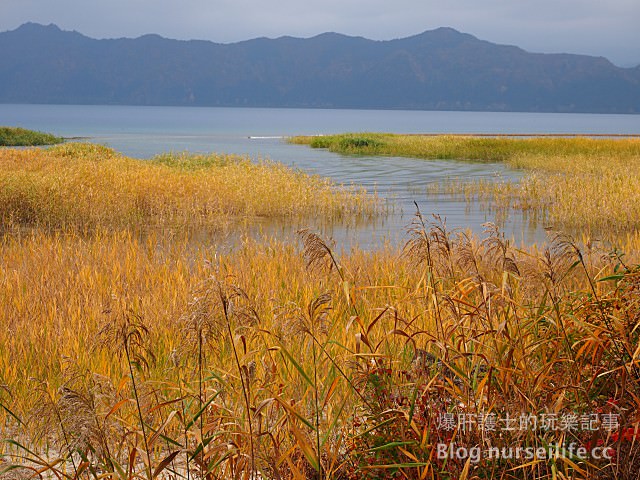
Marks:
<point>584,185</point>
<point>15,136</point>
<point>87,186</point>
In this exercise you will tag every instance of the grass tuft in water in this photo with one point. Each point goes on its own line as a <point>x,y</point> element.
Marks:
<point>16,137</point>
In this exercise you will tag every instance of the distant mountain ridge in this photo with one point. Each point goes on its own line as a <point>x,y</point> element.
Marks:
<point>440,69</point>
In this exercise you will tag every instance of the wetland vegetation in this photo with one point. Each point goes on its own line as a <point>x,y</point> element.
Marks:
<point>15,136</point>
<point>584,184</point>
<point>147,353</point>
<point>84,185</point>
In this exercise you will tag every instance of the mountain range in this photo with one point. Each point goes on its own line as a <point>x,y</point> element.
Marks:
<point>440,69</point>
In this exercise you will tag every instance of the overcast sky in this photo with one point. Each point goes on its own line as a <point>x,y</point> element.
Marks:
<point>610,28</point>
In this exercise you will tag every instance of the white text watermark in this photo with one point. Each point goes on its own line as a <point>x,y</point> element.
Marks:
<point>475,454</point>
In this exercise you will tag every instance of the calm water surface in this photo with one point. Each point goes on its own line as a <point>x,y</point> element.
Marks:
<point>146,131</point>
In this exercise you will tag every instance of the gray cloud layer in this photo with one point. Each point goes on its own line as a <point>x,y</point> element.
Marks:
<point>595,27</point>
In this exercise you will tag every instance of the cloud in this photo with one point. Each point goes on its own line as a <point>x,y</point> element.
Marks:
<point>576,26</point>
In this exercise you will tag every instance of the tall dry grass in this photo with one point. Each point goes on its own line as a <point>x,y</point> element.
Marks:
<point>597,196</point>
<point>87,186</point>
<point>134,357</point>
<point>142,355</point>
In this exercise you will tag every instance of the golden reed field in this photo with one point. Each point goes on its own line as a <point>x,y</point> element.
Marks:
<point>585,184</point>
<point>133,352</point>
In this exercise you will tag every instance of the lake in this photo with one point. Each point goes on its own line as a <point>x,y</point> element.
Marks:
<point>143,132</point>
